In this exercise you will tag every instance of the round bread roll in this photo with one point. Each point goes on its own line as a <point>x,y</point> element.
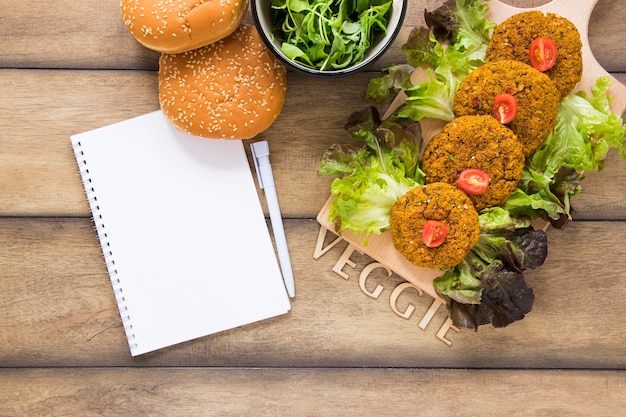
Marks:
<point>232,89</point>
<point>174,26</point>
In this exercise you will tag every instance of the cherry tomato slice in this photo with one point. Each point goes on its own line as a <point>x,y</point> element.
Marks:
<point>473,181</point>
<point>542,54</point>
<point>504,108</point>
<point>434,233</point>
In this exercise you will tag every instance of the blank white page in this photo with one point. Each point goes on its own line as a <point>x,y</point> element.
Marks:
<point>182,230</point>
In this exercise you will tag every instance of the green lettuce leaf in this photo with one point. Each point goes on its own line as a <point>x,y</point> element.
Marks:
<point>506,299</point>
<point>374,176</point>
<point>488,285</point>
<point>452,57</point>
<point>433,98</point>
<point>452,46</point>
<point>585,131</point>
<point>393,80</point>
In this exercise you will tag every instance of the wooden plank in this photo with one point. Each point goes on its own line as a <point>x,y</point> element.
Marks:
<point>311,392</point>
<point>58,309</point>
<point>69,34</point>
<point>62,348</point>
<point>604,40</point>
<point>99,40</point>
<point>41,109</point>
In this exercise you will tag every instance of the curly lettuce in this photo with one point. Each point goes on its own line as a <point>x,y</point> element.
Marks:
<point>372,177</point>
<point>586,129</point>
<point>452,46</point>
<point>488,285</point>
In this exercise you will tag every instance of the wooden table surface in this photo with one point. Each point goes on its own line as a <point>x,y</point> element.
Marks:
<point>68,66</point>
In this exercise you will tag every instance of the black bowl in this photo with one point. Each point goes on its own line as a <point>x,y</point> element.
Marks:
<point>261,13</point>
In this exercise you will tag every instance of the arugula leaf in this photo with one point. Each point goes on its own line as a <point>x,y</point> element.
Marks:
<point>328,34</point>
<point>375,175</point>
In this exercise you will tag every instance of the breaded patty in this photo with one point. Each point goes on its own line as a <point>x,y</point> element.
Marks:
<point>436,201</point>
<point>536,95</point>
<point>512,38</point>
<point>476,142</point>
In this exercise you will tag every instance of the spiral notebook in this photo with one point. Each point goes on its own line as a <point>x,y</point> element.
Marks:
<point>182,231</point>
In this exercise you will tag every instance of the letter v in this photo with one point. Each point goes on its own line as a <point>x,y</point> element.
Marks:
<point>319,247</point>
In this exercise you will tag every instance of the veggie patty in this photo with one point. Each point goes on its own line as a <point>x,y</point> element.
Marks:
<point>536,96</point>
<point>512,39</point>
<point>441,202</point>
<point>479,142</point>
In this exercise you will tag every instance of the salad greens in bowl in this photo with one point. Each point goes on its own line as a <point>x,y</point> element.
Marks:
<point>328,37</point>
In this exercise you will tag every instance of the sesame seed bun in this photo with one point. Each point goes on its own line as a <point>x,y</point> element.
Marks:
<point>174,26</point>
<point>232,89</point>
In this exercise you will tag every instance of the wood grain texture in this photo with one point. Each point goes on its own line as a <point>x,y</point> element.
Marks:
<point>93,35</point>
<point>58,309</point>
<point>67,67</point>
<point>38,176</point>
<point>69,34</point>
<point>299,392</point>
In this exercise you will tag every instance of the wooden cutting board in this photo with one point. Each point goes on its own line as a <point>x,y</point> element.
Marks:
<point>380,247</point>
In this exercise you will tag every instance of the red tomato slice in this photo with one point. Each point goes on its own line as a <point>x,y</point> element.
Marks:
<point>504,108</point>
<point>542,54</point>
<point>434,233</point>
<point>473,181</point>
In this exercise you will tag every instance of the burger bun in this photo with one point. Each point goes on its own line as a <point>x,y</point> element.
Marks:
<point>182,25</point>
<point>232,89</point>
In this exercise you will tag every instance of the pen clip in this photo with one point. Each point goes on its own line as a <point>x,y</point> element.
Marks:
<point>260,150</point>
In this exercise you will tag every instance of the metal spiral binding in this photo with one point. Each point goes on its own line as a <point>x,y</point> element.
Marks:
<point>103,237</point>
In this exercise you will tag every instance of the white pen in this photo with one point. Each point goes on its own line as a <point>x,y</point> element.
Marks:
<point>261,154</point>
